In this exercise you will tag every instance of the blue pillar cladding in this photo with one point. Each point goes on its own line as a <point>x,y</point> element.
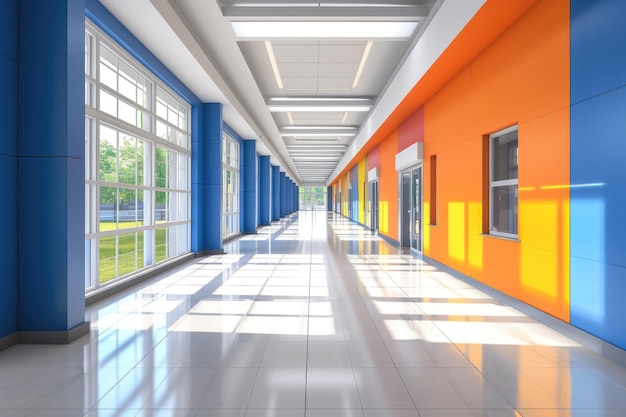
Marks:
<point>275,193</point>
<point>283,194</point>
<point>264,191</point>
<point>249,206</point>
<point>206,178</point>
<point>597,175</point>
<point>8,168</point>
<point>51,167</point>
<point>329,198</point>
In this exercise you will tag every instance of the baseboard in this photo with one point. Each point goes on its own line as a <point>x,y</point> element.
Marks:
<point>8,341</point>
<point>61,337</point>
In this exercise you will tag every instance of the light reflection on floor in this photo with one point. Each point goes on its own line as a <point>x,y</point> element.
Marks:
<point>317,317</point>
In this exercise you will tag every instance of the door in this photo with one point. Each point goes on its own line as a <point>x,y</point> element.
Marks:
<point>374,206</point>
<point>416,223</point>
<point>411,209</point>
<point>406,215</point>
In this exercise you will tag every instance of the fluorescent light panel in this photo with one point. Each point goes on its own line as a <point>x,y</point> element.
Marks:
<point>319,99</point>
<point>315,135</point>
<point>319,128</point>
<point>366,52</point>
<point>367,30</point>
<point>274,64</point>
<point>354,108</point>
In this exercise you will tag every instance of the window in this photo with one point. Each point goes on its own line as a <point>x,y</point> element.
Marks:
<point>230,160</point>
<point>503,151</point>
<point>137,159</point>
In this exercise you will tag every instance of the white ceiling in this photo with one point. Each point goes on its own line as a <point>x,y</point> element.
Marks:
<point>196,41</point>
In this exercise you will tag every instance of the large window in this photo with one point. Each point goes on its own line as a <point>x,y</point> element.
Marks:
<point>312,198</point>
<point>503,151</point>
<point>137,159</point>
<point>230,160</point>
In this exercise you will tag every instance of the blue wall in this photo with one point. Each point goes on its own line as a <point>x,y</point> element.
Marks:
<point>249,182</point>
<point>8,166</point>
<point>276,196</point>
<point>264,190</point>
<point>598,173</point>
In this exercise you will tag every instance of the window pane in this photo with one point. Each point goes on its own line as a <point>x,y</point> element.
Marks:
<point>160,251</point>
<point>126,253</point>
<point>108,202</point>
<point>504,152</point>
<point>107,258</point>
<point>504,209</point>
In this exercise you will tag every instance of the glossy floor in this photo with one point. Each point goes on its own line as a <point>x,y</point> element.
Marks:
<point>314,317</point>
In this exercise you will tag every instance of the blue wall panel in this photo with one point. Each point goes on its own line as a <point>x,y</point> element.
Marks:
<point>283,194</point>
<point>8,167</point>
<point>598,177</point>
<point>249,180</point>
<point>51,168</point>
<point>597,39</point>
<point>264,190</point>
<point>8,246</point>
<point>206,177</point>
<point>8,29</point>
<point>275,193</point>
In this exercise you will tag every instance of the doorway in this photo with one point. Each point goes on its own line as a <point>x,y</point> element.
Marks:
<point>411,209</point>
<point>373,203</point>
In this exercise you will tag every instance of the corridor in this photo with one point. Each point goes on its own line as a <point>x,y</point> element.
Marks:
<point>314,316</point>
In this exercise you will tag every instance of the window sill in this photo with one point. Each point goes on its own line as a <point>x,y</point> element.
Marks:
<point>510,239</point>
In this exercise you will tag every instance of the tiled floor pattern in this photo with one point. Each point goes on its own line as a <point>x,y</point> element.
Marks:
<point>314,317</point>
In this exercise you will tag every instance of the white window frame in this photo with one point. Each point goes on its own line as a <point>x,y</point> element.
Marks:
<point>231,220</point>
<point>502,183</point>
<point>175,140</point>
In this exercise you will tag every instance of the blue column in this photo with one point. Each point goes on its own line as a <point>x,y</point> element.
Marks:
<point>275,193</point>
<point>206,178</point>
<point>264,191</point>
<point>51,170</point>
<point>8,172</point>
<point>329,198</point>
<point>288,196</point>
<point>249,201</point>
<point>283,194</point>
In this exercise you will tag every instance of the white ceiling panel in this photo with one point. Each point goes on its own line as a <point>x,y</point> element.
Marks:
<point>298,70</point>
<point>301,52</point>
<point>338,69</point>
<point>335,84</point>
<point>300,84</point>
<point>341,52</point>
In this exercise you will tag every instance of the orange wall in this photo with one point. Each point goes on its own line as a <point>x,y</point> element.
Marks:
<point>388,188</point>
<point>522,78</point>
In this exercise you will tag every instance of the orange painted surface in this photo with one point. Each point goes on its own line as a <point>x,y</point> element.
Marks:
<point>522,78</point>
<point>489,22</point>
<point>388,188</point>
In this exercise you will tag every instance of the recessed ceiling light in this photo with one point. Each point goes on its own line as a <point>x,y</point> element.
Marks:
<point>366,52</point>
<point>315,135</point>
<point>354,108</point>
<point>319,128</point>
<point>346,29</point>
<point>304,99</point>
<point>274,64</point>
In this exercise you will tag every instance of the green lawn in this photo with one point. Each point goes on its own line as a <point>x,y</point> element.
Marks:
<point>127,250</point>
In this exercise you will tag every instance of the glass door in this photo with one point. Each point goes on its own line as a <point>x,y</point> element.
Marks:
<point>416,223</point>
<point>411,209</point>
<point>374,206</point>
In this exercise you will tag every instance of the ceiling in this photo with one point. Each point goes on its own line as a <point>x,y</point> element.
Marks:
<point>288,72</point>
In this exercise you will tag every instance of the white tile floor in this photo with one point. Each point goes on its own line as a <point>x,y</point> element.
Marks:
<point>311,317</point>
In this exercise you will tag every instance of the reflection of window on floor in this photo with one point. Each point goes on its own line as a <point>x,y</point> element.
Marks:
<point>137,157</point>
